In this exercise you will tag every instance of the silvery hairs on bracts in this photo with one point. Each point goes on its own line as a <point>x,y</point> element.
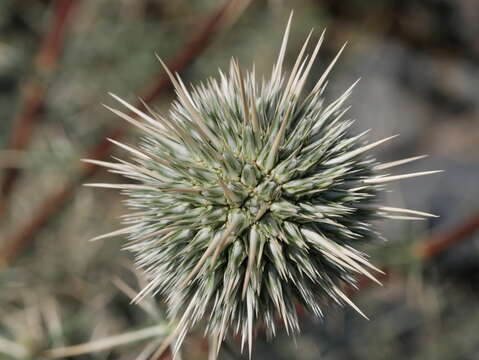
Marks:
<point>251,198</point>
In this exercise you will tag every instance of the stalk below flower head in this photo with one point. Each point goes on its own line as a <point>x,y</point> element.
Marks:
<point>251,198</point>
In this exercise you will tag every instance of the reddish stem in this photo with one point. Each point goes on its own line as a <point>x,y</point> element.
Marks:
<point>55,202</point>
<point>50,50</point>
<point>34,92</point>
<point>428,249</point>
<point>444,240</point>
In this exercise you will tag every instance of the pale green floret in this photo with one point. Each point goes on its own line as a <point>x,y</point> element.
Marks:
<point>252,199</point>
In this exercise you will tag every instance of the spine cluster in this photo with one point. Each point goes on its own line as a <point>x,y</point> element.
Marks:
<point>250,198</point>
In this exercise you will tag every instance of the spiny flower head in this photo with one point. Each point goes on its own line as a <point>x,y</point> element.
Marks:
<point>251,199</point>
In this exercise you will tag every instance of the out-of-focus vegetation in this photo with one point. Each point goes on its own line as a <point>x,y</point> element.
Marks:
<point>419,64</point>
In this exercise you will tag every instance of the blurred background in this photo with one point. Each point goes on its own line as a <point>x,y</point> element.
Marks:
<point>418,61</point>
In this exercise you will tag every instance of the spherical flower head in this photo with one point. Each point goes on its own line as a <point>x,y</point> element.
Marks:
<point>251,199</point>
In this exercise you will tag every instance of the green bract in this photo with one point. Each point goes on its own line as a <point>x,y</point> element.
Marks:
<point>251,199</point>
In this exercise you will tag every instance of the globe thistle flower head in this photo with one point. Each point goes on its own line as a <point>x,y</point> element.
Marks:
<point>251,198</point>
